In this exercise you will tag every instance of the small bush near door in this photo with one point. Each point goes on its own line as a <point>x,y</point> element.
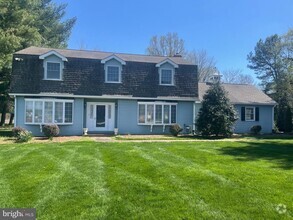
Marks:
<point>51,131</point>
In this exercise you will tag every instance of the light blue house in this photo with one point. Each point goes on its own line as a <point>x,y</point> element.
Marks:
<point>252,105</point>
<point>106,92</point>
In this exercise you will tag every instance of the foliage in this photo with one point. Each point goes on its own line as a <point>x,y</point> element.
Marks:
<point>16,131</point>
<point>284,116</point>
<point>24,136</point>
<point>51,130</point>
<point>217,115</point>
<point>205,64</point>
<point>166,45</point>
<point>175,129</point>
<point>272,61</point>
<point>235,76</point>
<point>255,129</point>
<point>21,134</point>
<point>26,23</point>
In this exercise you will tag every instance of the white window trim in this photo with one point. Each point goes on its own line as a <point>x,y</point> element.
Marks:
<point>246,107</point>
<point>53,109</point>
<point>172,77</point>
<point>154,104</point>
<point>45,69</point>
<point>106,73</point>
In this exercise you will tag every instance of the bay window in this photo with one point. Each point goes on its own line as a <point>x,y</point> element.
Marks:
<point>46,111</point>
<point>150,113</point>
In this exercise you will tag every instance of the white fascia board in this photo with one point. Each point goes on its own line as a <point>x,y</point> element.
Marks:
<point>113,56</point>
<point>167,61</point>
<point>67,95</point>
<point>52,52</point>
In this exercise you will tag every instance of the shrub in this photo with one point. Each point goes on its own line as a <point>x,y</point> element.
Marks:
<point>16,131</point>
<point>255,129</point>
<point>24,136</point>
<point>51,131</point>
<point>216,115</point>
<point>175,129</point>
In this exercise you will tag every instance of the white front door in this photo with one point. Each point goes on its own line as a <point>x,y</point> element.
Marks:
<point>100,116</point>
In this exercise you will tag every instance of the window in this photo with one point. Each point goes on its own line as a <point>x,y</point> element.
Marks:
<point>113,74</point>
<point>166,77</point>
<point>39,111</point>
<point>53,71</point>
<point>249,114</point>
<point>150,113</point>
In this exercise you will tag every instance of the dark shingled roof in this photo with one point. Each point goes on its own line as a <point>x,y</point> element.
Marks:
<point>240,94</point>
<point>102,55</point>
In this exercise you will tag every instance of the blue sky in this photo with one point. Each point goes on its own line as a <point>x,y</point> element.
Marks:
<point>228,30</point>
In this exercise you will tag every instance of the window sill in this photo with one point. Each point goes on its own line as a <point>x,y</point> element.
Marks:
<point>53,79</point>
<point>166,84</point>
<point>156,124</point>
<point>112,82</point>
<point>48,123</point>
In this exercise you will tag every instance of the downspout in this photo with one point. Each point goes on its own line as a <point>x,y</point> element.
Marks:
<point>15,115</point>
<point>193,117</point>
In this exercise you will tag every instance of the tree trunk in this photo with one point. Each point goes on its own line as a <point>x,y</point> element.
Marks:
<point>11,118</point>
<point>3,116</point>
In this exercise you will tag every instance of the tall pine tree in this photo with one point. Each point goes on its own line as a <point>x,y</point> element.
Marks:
<point>25,23</point>
<point>217,115</point>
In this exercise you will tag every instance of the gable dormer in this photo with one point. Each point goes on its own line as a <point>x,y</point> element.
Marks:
<point>113,69</point>
<point>53,64</point>
<point>166,72</point>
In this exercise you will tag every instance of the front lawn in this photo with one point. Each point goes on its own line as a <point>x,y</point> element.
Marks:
<point>166,180</point>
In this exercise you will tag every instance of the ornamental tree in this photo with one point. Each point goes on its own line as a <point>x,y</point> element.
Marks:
<point>217,115</point>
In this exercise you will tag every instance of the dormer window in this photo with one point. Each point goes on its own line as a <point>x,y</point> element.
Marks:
<point>113,69</point>
<point>166,77</point>
<point>53,71</point>
<point>53,65</point>
<point>166,72</point>
<point>113,74</point>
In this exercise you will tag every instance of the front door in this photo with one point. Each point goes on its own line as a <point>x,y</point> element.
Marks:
<point>100,116</point>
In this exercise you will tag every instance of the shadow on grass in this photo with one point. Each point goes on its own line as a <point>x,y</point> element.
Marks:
<point>278,153</point>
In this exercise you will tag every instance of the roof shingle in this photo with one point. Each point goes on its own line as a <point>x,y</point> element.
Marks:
<point>240,94</point>
<point>99,55</point>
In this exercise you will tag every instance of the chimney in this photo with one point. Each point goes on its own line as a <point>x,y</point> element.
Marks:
<point>177,55</point>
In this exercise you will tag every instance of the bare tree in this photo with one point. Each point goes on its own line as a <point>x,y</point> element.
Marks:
<point>166,45</point>
<point>206,65</point>
<point>235,76</point>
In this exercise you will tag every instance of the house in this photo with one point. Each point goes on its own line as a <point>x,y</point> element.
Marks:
<point>252,105</point>
<point>103,92</point>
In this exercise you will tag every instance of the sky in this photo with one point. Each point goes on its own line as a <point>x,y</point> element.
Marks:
<point>227,29</point>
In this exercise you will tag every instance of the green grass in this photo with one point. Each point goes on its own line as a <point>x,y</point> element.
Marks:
<point>127,180</point>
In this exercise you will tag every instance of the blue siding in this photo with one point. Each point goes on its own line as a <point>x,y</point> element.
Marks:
<point>265,119</point>
<point>127,118</point>
<point>75,129</point>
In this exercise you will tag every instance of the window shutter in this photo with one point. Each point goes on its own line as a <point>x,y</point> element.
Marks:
<point>257,114</point>
<point>242,113</point>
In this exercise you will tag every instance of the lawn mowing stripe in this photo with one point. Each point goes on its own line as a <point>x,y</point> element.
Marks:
<point>97,184</point>
<point>48,191</point>
<point>194,202</point>
<point>6,199</point>
<point>195,166</point>
<point>137,178</point>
